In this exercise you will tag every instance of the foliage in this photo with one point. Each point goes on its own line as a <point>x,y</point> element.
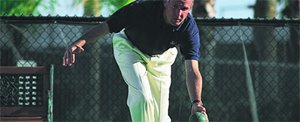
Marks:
<point>109,5</point>
<point>30,7</point>
<point>21,7</point>
<point>291,8</point>
<point>114,5</point>
<point>283,1</point>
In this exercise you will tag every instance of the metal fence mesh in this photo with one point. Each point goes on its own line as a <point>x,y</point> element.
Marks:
<point>93,89</point>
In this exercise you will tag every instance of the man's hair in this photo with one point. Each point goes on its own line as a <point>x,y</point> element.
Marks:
<point>170,0</point>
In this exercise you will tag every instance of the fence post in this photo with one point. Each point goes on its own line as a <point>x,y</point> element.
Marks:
<point>50,95</point>
<point>252,100</point>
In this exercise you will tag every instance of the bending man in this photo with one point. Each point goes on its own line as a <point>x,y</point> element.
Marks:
<point>144,48</point>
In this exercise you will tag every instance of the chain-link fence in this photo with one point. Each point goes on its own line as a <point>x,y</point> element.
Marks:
<point>250,69</point>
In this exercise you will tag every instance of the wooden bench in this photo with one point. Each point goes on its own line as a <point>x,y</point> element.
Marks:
<point>24,94</point>
<point>22,119</point>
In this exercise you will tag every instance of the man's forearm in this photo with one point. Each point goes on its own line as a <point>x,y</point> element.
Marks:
<point>97,31</point>
<point>193,80</point>
<point>194,86</point>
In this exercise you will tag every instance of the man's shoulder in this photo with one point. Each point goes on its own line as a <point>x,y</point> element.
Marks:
<point>190,24</point>
<point>150,3</point>
<point>191,19</point>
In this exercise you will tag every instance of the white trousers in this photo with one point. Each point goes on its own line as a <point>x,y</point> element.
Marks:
<point>148,79</point>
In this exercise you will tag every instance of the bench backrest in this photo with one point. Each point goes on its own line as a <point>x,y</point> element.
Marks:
<point>23,91</point>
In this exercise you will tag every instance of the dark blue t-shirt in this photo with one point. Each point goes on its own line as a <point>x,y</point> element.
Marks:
<point>146,29</point>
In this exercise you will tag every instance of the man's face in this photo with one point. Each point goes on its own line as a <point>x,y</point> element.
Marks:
<point>176,11</point>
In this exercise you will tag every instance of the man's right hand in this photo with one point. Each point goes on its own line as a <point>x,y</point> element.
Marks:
<point>69,56</point>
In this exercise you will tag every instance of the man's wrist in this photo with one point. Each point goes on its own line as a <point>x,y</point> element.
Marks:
<point>196,101</point>
<point>79,43</point>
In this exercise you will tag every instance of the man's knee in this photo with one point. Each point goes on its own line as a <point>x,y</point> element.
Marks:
<point>139,99</point>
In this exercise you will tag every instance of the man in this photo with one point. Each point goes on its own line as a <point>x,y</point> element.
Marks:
<point>144,49</point>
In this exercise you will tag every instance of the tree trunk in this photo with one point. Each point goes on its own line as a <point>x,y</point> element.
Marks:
<point>204,8</point>
<point>265,9</point>
<point>295,8</point>
<point>267,81</point>
<point>293,11</point>
<point>92,7</point>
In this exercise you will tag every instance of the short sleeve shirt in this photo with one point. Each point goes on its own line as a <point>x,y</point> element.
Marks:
<point>145,27</point>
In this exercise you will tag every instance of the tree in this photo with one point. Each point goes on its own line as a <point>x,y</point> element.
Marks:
<point>292,10</point>
<point>93,7</point>
<point>23,7</point>
<point>266,49</point>
<point>265,8</point>
<point>204,8</point>
<point>114,5</point>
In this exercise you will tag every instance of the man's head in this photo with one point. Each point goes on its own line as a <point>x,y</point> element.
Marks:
<point>176,11</point>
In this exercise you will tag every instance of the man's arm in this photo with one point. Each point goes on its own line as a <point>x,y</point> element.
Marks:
<point>96,31</point>
<point>194,85</point>
<point>77,46</point>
